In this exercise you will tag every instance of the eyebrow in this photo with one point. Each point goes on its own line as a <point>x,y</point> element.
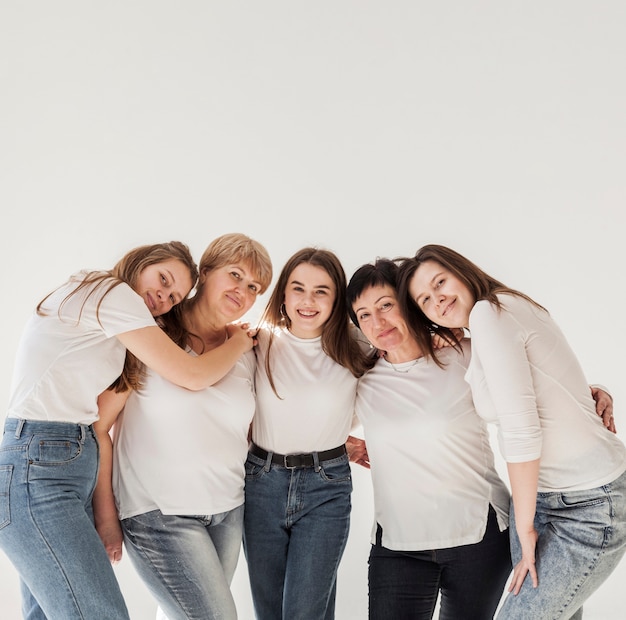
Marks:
<point>245,273</point>
<point>375,302</point>
<point>314,286</point>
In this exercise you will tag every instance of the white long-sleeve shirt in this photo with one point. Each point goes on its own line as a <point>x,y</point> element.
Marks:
<point>525,377</point>
<point>431,461</point>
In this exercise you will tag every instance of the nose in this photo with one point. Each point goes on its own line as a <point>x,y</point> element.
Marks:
<point>377,319</point>
<point>164,300</point>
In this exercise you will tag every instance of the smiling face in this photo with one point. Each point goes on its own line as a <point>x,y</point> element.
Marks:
<point>441,296</point>
<point>163,285</point>
<point>382,323</point>
<point>230,291</point>
<point>309,299</point>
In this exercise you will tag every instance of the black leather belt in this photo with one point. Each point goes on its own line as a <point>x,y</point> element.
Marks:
<point>292,461</point>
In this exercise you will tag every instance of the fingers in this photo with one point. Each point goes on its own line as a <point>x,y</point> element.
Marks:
<point>237,328</point>
<point>362,463</point>
<point>609,422</point>
<point>114,552</point>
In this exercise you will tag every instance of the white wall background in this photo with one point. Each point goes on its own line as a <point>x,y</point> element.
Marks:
<point>369,128</point>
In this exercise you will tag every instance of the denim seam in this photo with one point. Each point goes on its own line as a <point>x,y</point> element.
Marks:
<point>591,567</point>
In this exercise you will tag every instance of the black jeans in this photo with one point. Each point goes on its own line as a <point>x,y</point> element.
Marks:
<point>404,585</point>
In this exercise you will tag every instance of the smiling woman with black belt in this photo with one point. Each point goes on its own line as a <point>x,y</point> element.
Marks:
<point>298,483</point>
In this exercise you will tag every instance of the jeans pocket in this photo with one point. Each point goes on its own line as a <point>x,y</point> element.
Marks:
<point>576,500</point>
<point>55,451</point>
<point>254,468</point>
<point>6,474</point>
<point>336,471</point>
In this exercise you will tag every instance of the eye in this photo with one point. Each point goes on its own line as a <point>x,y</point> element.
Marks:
<point>321,291</point>
<point>254,288</point>
<point>425,300</point>
<point>439,283</point>
<point>173,300</point>
<point>163,279</point>
<point>386,306</point>
<point>363,316</point>
<point>236,275</point>
<point>298,289</point>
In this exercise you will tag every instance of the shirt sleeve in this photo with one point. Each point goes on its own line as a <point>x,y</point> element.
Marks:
<point>499,344</point>
<point>122,310</point>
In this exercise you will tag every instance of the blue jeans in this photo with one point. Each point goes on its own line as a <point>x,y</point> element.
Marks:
<point>48,472</point>
<point>295,531</point>
<point>582,537</point>
<point>405,585</point>
<point>187,562</point>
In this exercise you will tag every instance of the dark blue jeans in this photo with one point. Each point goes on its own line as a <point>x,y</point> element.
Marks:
<point>404,585</point>
<point>295,531</point>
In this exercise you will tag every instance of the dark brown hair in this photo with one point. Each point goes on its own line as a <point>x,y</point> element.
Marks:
<point>385,271</point>
<point>337,342</point>
<point>481,286</point>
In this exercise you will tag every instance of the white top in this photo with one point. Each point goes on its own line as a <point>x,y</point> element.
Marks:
<point>184,451</point>
<point>63,364</point>
<point>525,377</point>
<point>316,407</point>
<point>431,461</point>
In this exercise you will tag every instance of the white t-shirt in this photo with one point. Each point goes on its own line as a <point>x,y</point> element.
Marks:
<point>64,363</point>
<point>525,377</point>
<point>316,408</point>
<point>431,461</point>
<point>184,451</point>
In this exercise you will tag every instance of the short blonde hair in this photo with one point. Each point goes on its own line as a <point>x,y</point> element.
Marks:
<point>234,248</point>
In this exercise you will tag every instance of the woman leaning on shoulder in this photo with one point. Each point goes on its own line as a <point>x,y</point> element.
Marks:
<point>566,471</point>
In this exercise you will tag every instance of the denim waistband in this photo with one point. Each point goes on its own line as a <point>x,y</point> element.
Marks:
<point>19,427</point>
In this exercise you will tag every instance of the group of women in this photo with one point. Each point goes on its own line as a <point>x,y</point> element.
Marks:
<point>225,432</point>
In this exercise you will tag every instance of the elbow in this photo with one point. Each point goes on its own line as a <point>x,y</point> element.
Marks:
<point>194,383</point>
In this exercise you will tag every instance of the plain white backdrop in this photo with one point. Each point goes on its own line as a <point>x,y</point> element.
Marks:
<point>368,128</point>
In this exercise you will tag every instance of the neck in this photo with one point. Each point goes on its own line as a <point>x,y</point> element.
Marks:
<point>406,353</point>
<point>205,328</point>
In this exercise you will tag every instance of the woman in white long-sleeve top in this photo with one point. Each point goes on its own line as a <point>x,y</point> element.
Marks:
<point>566,471</point>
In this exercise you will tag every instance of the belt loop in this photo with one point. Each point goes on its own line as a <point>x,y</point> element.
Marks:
<point>316,462</point>
<point>82,433</point>
<point>268,462</point>
<point>19,427</point>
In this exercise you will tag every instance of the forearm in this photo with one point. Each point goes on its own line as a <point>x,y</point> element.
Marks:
<point>103,499</point>
<point>524,479</point>
<point>158,352</point>
<point>217,363</point>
